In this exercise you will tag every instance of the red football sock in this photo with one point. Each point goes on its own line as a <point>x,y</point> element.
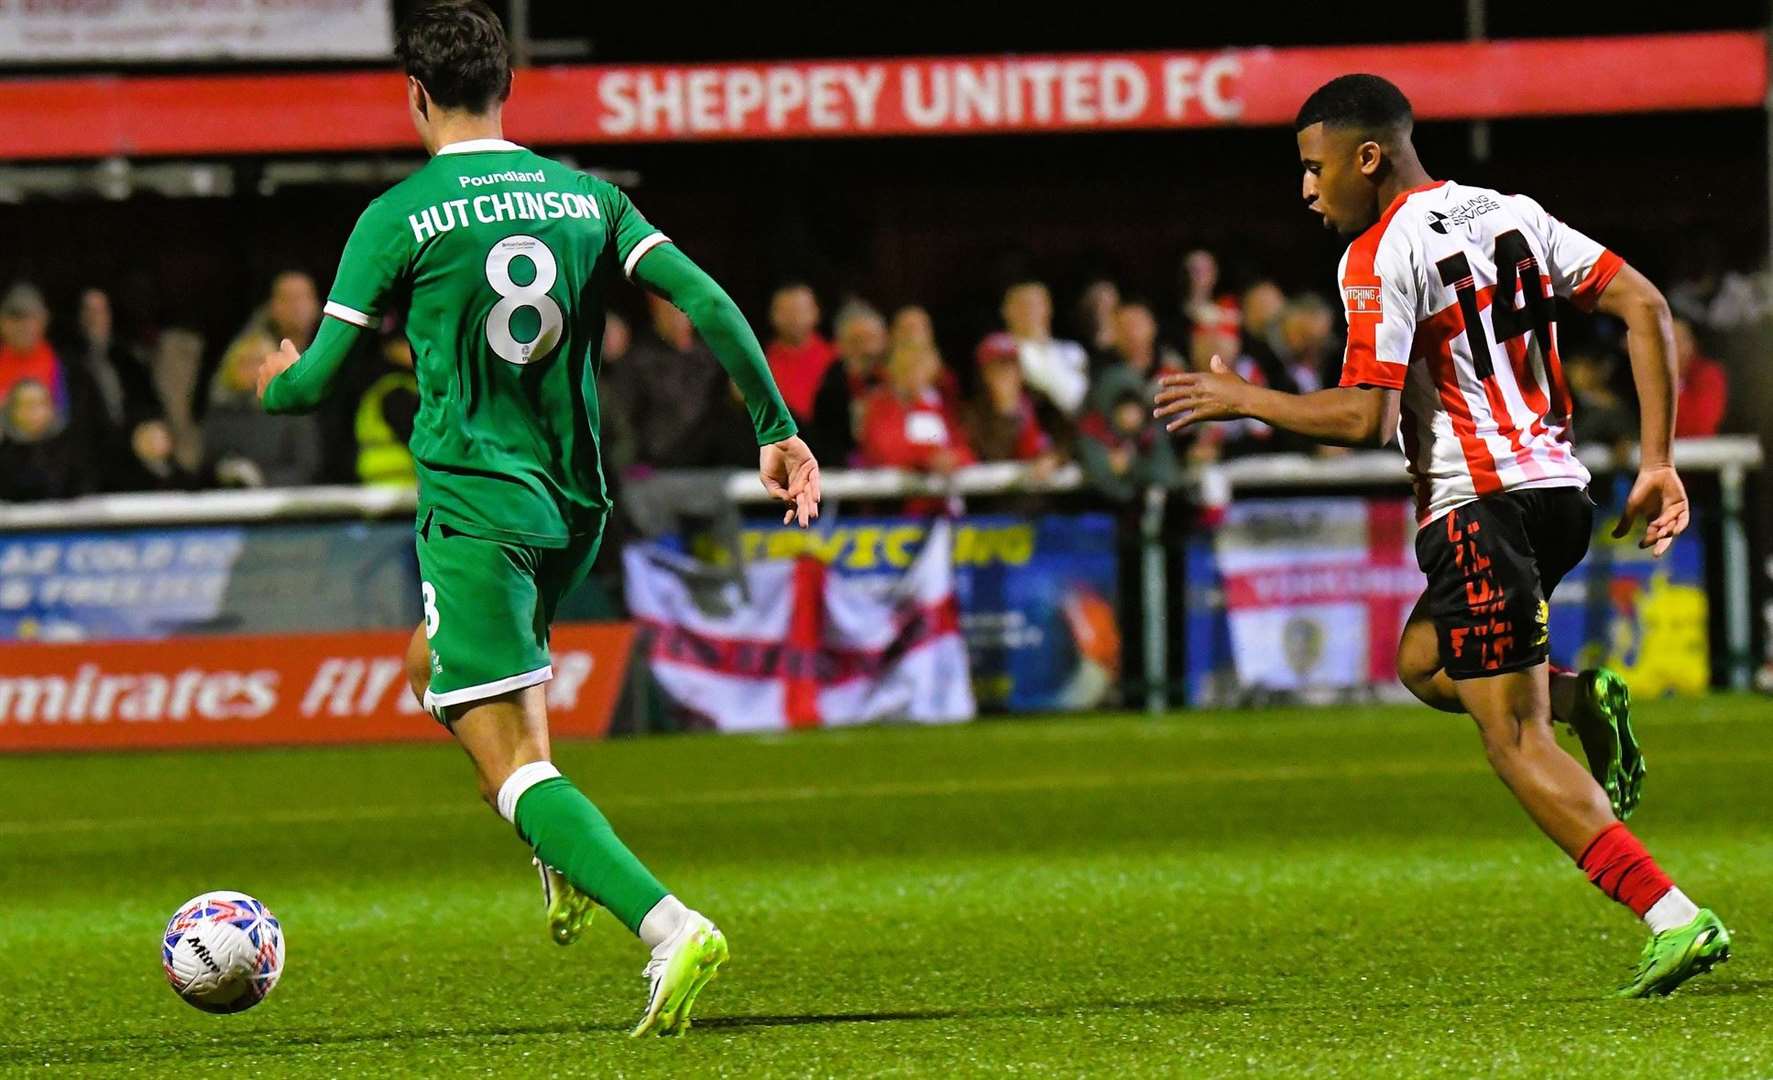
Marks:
<point>1620,867</point>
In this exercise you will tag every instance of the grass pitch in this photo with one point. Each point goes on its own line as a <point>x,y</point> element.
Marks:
<point>1332,892</point>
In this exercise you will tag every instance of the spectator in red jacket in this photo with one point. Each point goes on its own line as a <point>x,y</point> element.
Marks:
<point>797,355</point>
<point>1000,422</point>
<point>1704,387</point>
<point>905,422</point>
<point>25,352</point>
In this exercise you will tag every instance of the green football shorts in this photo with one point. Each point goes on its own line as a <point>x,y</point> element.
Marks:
<point>488,606</point>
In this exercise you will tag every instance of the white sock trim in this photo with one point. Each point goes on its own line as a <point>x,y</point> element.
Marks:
<point>1674,909</point>
<point>520,781</point>
<point>663,921</point>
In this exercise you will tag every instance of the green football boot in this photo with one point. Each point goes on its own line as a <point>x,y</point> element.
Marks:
<point>569,910</point>
<point>1674,956</point>
<point>1601,719</point>
<point>680,967</point>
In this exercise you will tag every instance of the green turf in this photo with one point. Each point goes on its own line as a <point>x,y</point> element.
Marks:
<point>1336,892</point>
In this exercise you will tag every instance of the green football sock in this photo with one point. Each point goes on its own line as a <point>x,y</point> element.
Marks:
<point>570,834</point>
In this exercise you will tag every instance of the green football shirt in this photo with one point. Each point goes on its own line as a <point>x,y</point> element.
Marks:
<point>507,260</point>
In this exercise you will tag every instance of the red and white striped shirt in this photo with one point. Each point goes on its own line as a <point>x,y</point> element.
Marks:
<point>1449,299</point>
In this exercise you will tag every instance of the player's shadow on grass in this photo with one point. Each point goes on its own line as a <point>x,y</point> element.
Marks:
<point>1721,986</point>
<point>146,1048</point>
<point>1173,1005</point>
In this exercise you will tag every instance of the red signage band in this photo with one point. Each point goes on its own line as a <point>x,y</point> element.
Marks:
<point>595,104</point>
<point>263,690</point>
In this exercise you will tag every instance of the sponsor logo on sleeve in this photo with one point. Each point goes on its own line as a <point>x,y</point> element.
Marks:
<point>1361,299</point>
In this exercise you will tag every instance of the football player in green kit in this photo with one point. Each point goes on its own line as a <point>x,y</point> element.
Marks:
<point>506,260</point>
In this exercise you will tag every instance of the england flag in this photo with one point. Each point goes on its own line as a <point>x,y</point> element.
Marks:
<point>793,644</point>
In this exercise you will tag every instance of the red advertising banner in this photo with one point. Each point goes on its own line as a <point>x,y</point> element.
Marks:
<point>266,690</point>
<point>592,104</point>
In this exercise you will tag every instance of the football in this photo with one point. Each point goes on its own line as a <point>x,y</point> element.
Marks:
<point>223,952</point>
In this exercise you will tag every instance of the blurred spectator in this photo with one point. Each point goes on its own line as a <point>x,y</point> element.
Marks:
<point>1135,345</point>
<point>861,350</point>
<point>39,458</point>
<point>1602,414</point>
<point>232,452</point>
<point>111,398</point>
<point>912,324</point>
<point>1121,448</point>
<point>153,463</point>
<point>1262,306</point>
<point>386,410</point>
<point>616,446</point>
<point>25,352</point>
<point>291,311</point>
<point>1704,388</point>
<point>906,423</point>
<point>1095,313</point>
<point>1052,367</point>
<point>1000,423</point>
<point>246,446</point>
<point>669,385</point>
<point>797,355</point>
<point>1207,310</point>
<point>1298,356</point>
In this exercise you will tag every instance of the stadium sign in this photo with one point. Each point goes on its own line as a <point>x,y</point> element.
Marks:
<point>597,104</point>
<point>267,690</point>
<point>55,31</point>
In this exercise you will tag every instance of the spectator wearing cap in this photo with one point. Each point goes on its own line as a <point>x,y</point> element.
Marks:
<point>39,458</point>
<point>861,351</point>
<point>906,423</point>
<point>1120,447</point>
<point>25,352</point>
<point>1000,422</point>
<point>1052,367</point>
<point>797,355</point>
<point>1703,387</point>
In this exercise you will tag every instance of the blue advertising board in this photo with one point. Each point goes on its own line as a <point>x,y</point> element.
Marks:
<point>148,584</point>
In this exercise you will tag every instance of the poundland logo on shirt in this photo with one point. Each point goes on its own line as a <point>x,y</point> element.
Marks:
<point>509,176</point>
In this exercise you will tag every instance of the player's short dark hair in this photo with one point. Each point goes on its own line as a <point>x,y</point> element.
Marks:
<point>457,49</point>
<point>1364,103</point>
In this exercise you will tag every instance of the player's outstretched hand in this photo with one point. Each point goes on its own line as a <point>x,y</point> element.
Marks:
<point>791,473</point>
<point>1193,397</point>
<point>1658,497</point>
<point>275,364</point>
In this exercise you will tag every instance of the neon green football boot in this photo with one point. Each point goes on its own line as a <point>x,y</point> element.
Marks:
<point>681,966</point>
<point>1674,956</point>
<point>1602,721</point>
<point>569,910</point>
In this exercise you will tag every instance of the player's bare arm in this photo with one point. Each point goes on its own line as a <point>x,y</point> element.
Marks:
<point>785,463</point>
<point>1657,495</point>
<point>1341,416</point>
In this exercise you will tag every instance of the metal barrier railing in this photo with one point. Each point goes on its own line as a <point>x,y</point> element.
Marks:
<point>1729,458</point>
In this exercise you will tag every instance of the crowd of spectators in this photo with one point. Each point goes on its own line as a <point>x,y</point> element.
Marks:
<point>90,410</point>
